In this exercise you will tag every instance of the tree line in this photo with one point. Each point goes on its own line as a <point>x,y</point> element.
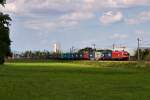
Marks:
<point>144,54</point>
<point>35,55</point>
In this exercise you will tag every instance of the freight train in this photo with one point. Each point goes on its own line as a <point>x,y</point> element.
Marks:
<point>95,55</point>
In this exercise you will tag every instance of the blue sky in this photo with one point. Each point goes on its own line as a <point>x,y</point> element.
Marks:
<point>37,24</point>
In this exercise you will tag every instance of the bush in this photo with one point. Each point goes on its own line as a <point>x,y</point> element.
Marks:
<point>144,54</point>
<point>147,58</point>
<point>2,60</point>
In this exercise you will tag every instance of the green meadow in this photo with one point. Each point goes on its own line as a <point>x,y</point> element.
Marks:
<point>74,80</point>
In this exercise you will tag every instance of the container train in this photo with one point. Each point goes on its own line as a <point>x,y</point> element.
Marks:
<point>95,55</point>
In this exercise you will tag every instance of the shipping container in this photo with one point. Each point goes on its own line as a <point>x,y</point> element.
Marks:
<point>64,56</point>
<point>106,54</point>
<point>86,55</point>
<point>71,56</point>
<point>98,55</point>
<point>80,56</point>
<point>92,55</point>
<point>76,56</point>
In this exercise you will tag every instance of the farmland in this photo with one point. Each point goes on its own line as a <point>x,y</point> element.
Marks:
<point>74,80</point>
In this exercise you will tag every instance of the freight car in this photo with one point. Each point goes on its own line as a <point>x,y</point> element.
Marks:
<point>86,55</point>
<point>106,55</point>
<point>98,55</point>
<point>71,56</point>
<point>67,56</point>
<point>92,55</point>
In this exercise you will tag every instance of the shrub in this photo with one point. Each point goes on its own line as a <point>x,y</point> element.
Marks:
<point>2,60</point>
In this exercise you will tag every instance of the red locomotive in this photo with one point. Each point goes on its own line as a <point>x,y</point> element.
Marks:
<point>120,55</point>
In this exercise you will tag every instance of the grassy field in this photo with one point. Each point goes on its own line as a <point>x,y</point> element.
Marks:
<point>76,80</point>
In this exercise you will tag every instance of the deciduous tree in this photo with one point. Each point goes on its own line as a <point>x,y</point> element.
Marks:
<point>4,34</point>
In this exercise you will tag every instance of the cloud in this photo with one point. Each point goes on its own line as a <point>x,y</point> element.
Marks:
<point>64,21</point>
<point>109,4</point>
<point>119,36</point>
<point>136,2</point>
<point>111,17</point>
<point>10,8</point>
<point>40,6</point>
<point>29,6</point>
<point>127,3</point>
<point>68,13</point>
<point>140,18</point>
<point>37,24</point>
<point>78,16</point>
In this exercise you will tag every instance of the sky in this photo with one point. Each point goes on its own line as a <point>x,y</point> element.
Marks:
<point>37,24</point>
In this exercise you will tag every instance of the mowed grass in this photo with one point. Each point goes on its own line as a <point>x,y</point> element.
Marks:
<point>76,80</point>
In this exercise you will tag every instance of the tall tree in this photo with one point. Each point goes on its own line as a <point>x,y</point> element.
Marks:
<point>2,2</point>
<point>4,34</point>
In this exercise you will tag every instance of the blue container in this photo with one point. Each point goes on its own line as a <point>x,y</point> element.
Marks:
<point>80,56</point>
<point>64,56</point>
<point>71,56</point>
<point>68,56</point>
<point>92,55</point>
<point>107,55</point>
<point>76,56</point>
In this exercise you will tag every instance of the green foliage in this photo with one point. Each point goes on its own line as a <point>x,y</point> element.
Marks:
<point>4,34</point>
<point>1,59</point>
<point>73,81</point>
<point>34,55</point>
<point>2,2</point>
<point>87,49</point>
<point>147,57</point>
<point>144,54</point>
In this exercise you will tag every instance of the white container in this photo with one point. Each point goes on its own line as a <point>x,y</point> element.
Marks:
<point>98,55</point>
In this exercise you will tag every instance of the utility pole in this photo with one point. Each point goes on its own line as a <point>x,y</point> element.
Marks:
<point>113,46</point>
<point>138,49</point>
<point>94,45</point>
<point>72,49</point>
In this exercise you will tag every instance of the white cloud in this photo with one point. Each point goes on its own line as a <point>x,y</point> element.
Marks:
<point>119,36</point>
<point>136,2</point>
<point>65,21</point>
<point>140,18</point>
<point>78,16</point>
<point>39,25</point>
<point>108,4</point>
<point>127,3</point>
<point>132,21</point>
<point>32,6</point>
<point>10,8</point>
<point>111,17</point>
<point>69,12</point>
<point>145,15</point>
<point>27,6</point>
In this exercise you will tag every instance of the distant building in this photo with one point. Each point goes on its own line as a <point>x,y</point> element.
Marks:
<point>56,47</point>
